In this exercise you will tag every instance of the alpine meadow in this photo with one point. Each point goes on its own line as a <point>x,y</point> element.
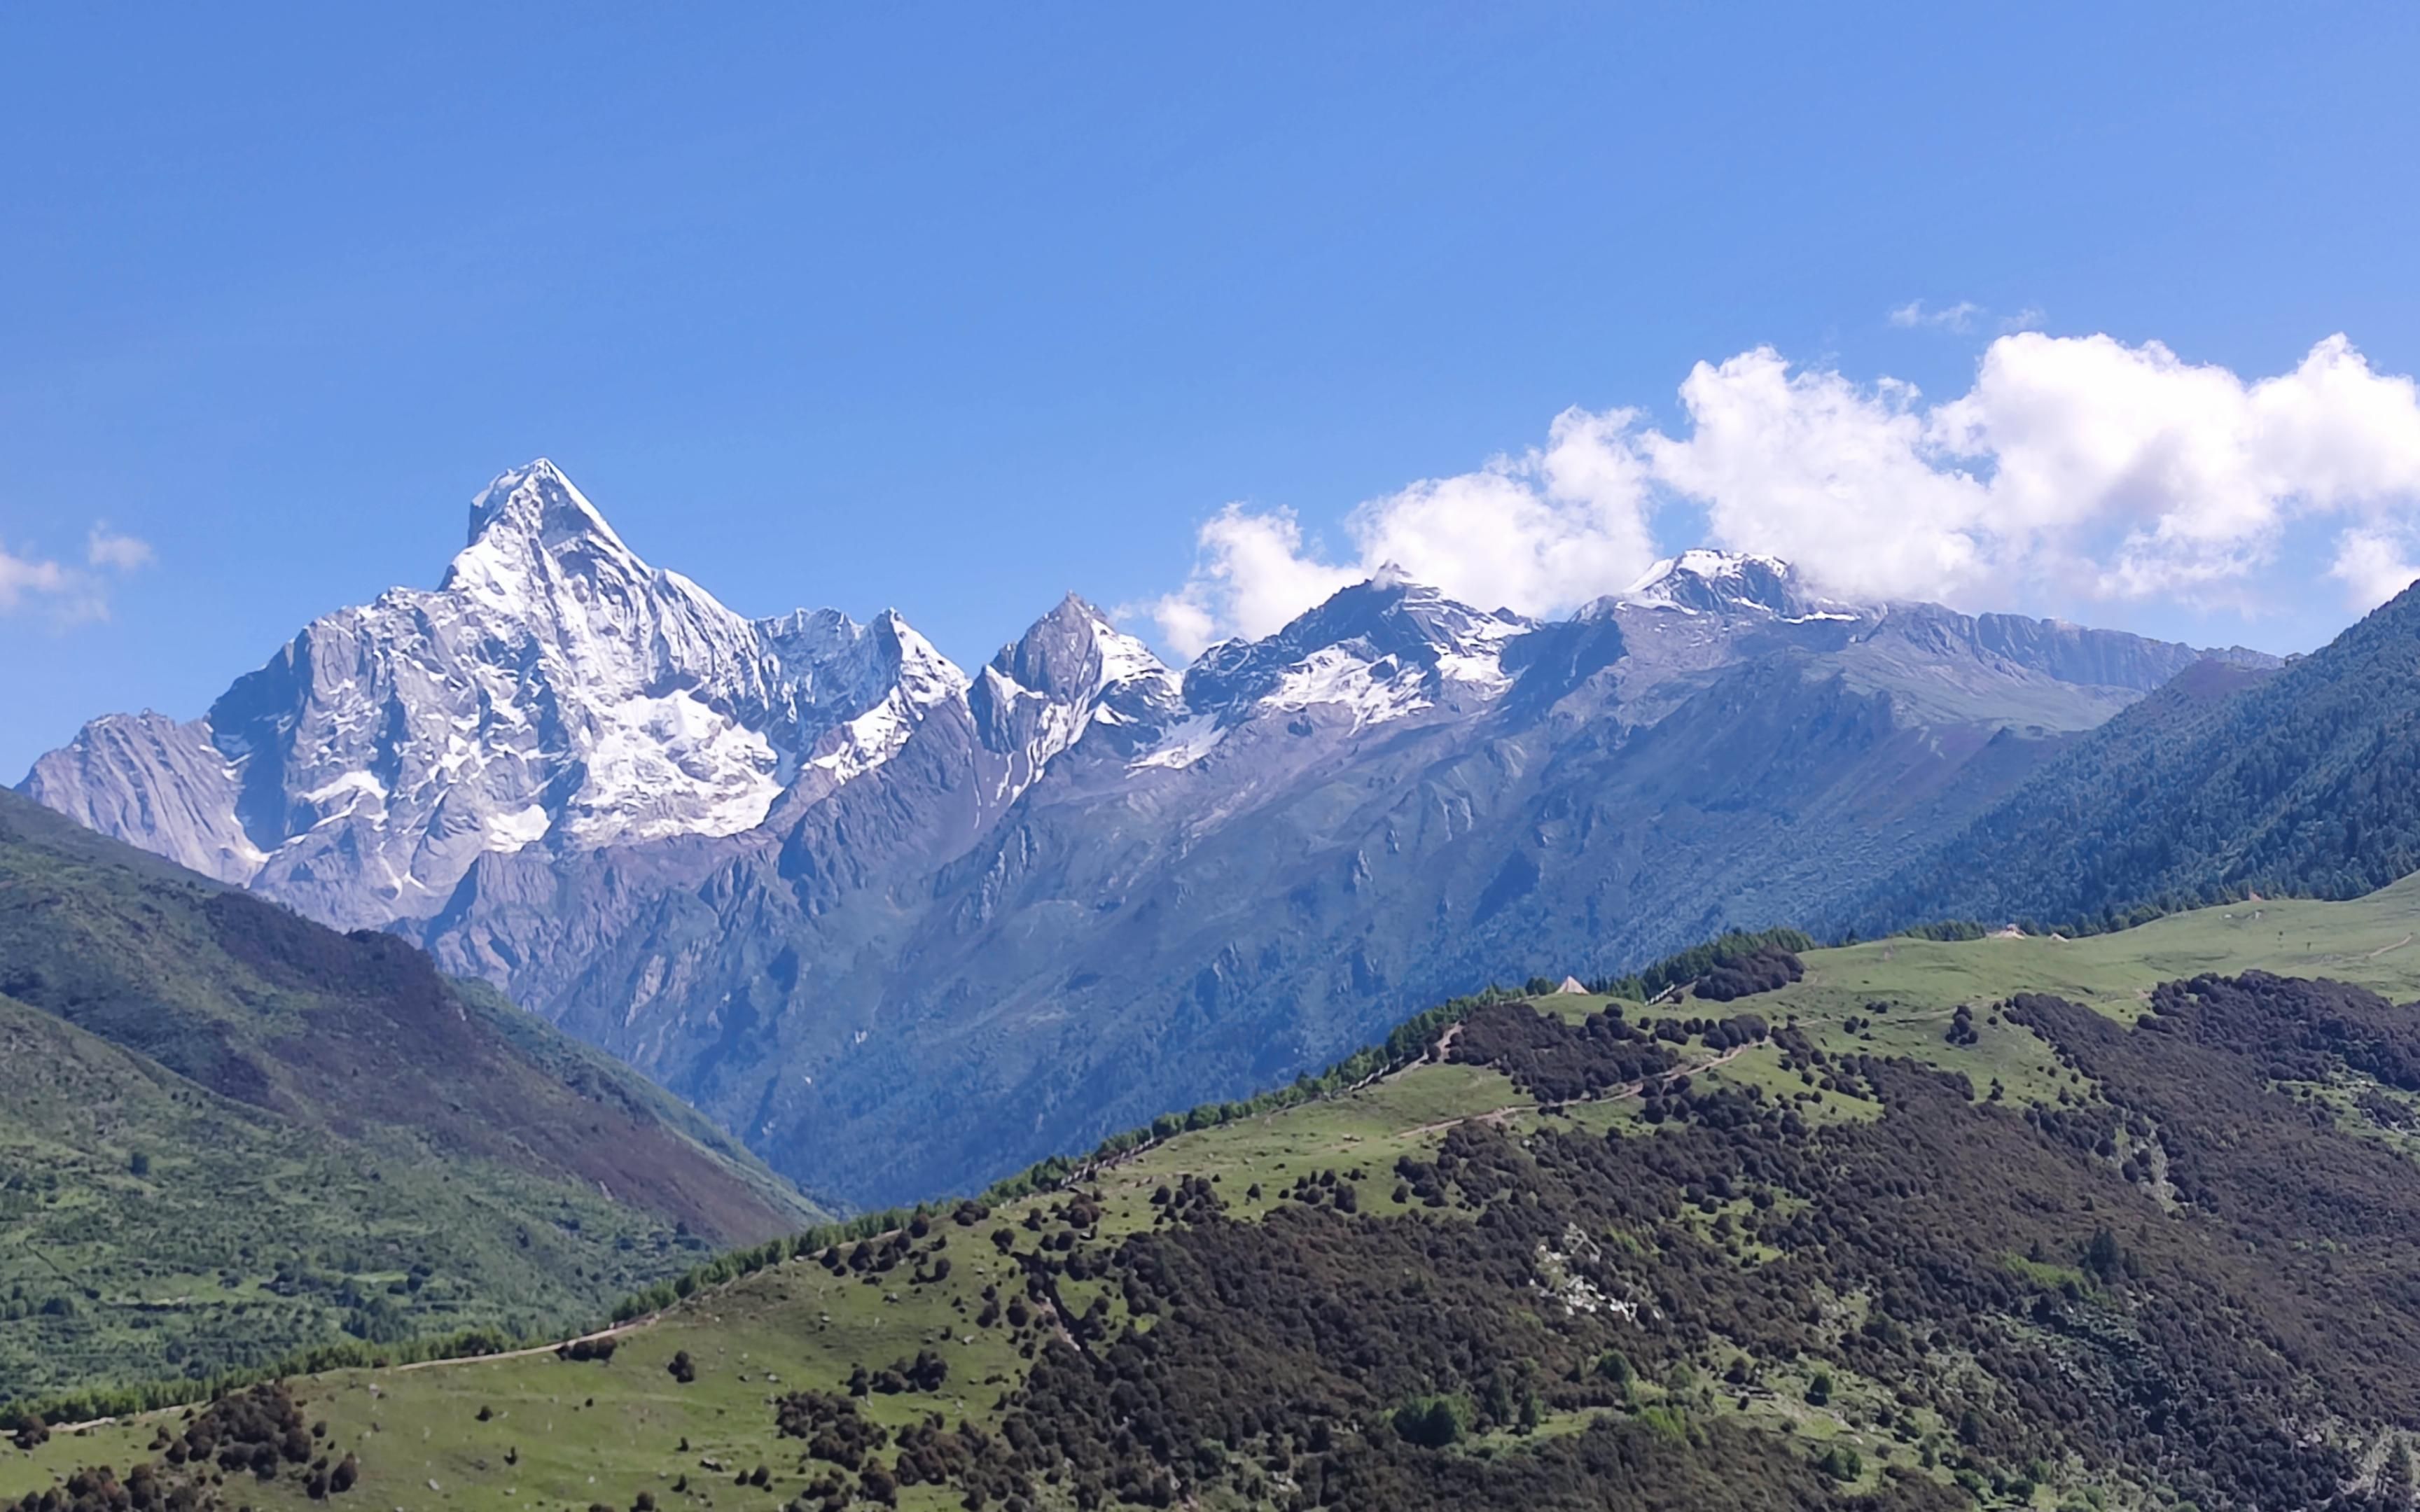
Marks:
<point>1383,759</point>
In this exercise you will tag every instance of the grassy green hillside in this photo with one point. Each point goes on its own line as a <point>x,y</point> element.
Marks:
<point>226,1135</point>
<point>148,1228</point>
<point>2090,1241</point>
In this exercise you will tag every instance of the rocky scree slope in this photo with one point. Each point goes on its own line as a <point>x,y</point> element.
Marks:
<point>901,928</point>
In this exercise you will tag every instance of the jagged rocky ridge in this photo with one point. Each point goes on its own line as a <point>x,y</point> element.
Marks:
<point>903,928</point>
<point>554,688</point>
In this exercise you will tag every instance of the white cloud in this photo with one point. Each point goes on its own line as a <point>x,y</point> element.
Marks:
<point>1842,479</point>
<point>1959,317</point>
<point>2374,566</point>
<point>2103,469</point>
<point>1535,533</point>
<point>25,577</point>
<point>106,548</point>
<point>2160,476</point>
<point>1251,576</point>
<point>2074,467</point>
<point>72,594</point>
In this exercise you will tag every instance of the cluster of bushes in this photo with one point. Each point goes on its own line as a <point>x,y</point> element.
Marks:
<point>1700,961</point>
<point>259,1432</point>
<point>1259,1347</point>
<point>928,1372</point>
<point>833,1428</point>
<point>1555,1060</point>
<point>1737,974</point>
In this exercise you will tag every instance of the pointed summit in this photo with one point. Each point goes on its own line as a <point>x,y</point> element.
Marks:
<point>1071,679</point>
<point>1704,581</point>
<point>1074,653</point>
<point>1389,630</point>
<point>915,664</point>
<point>539,501</point>
<point>1393,613</point>
<point>533,528</point>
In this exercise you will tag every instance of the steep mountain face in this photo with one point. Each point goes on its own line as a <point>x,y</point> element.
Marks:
<point>2227,780</point>
<point>902,929</point>
<point>351,1035</point>
<point>237,1103</point>
<point>553,690</point>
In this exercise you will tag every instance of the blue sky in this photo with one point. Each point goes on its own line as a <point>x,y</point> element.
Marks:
<point>958,308</point>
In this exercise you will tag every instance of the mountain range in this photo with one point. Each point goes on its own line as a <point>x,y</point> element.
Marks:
<point>902,927</point>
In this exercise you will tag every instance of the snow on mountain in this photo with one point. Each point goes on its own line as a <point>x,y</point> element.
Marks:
<point>910,928</point>
<point>1703,581</point>
<point>856,693</point>
<point>557,692</point>
<point>1378,650</point>
<point>1071,678</point>
<point>555,688</point>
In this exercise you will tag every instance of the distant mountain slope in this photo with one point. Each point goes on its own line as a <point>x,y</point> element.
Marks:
<point>2232,779</point>
<point>150,1228</point>
<point>901,928</point>
<point>231,1133</point>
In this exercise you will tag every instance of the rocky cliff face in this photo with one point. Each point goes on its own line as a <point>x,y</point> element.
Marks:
<point>554,692</point>
<point>904,930</point>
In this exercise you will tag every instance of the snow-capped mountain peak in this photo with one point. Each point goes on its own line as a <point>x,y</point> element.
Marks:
<point>538,498</point>
<point>1073,678</point>
<point>1383,648</point>
<point>1701,581</point>
<point>533,536</point>
<point>830,668</point>
<point>923,676</point>
<point>554,689</point>
<point>1074,653</point>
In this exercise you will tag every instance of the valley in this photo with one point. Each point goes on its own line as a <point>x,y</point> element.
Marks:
<point>1233,759</point>
<point>2227,781</point>
<point>901,927</point>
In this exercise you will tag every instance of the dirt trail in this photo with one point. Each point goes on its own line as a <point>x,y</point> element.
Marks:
<point>616,1332</point>
<point>2384,949</point>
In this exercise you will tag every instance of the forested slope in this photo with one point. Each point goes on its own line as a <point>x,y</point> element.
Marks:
<point>2229,781</point>
<point>231,1135</point>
